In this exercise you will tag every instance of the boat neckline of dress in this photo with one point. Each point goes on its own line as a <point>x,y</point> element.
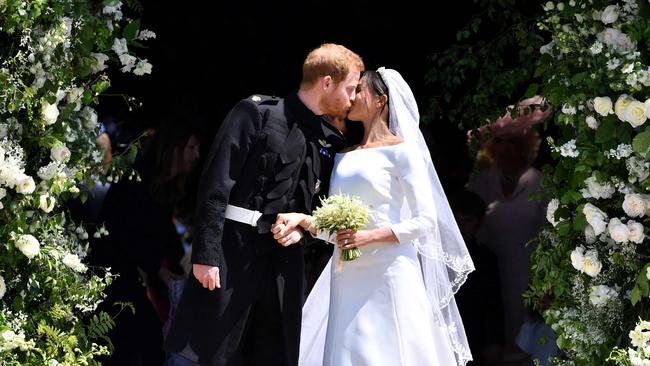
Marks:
<point>371,148</point>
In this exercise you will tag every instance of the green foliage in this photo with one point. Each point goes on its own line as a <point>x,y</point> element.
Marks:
<point>589,270</point>
<point>54,57</point>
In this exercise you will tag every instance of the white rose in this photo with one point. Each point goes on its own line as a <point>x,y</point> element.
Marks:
<point>634,205</point>
<point>49,112</point>
<point>592,122</point>
<point>603,106</point>
<point>635,113</point>
<point>577,258</point>
<point>550,211</point>
<point>25,184</point>
<point>46,203</point>
<point>621,105</point>
<point>647,106</point>
<point>590,263</point>
<point>636,232</point>
<point>610,14</point>
<point>647,273</point>
<point>618,231</point>
<point>60,154</point>
<point>3,287</point>
<point>73,261</point>
<point>590,235</point>
<point>29,245</point>
<point>595,217</point>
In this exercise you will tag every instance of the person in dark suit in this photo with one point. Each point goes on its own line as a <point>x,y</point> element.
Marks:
<point>242,306</point>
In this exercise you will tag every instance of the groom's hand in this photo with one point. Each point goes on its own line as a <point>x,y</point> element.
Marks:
<point>207,275</point>
<point>286,236</point>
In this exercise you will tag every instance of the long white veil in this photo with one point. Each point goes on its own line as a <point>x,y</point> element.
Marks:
<point>443,254</point>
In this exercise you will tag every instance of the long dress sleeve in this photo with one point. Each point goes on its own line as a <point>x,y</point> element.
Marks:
<point>230,148</point>
<point>412,175</point>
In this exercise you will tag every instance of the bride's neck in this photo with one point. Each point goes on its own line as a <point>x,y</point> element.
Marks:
<point>376,131</point>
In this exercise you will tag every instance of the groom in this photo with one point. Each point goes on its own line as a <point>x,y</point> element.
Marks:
<point>271,155</point>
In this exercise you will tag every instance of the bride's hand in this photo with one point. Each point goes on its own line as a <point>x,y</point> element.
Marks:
<point>348,239</point>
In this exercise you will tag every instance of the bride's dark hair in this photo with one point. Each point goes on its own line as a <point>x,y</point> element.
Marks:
<point>375,83</point>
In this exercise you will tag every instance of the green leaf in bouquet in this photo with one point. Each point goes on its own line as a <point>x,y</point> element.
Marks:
<point>606,131</point>
<point>131,30</point>
<point>641,144</point>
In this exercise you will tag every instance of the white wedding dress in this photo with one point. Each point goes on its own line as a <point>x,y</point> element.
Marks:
<point>378,312</point>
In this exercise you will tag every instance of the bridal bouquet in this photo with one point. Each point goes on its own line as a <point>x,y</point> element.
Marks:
<point>342,212</point>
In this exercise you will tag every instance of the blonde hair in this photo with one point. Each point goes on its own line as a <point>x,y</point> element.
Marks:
<point>329,59</point>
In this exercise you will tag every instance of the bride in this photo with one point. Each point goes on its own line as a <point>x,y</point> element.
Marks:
<point>394,305</point>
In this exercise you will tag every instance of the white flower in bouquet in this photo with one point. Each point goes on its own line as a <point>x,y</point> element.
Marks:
<point>73,261</point>
<point>100,62</point>
<point>621,105</point>
<point>119,46</point>
<point>342,212</point>
<point>569,149</point>
<point>597,190</point>
<point>46,203</point>
<point>89,118</point>
<point>25,184</point>
<point>142,68</point>
<point>590,235</point>
<point>592,122</point>
<point>618,231</point>
<point>636,232</point>
<point>639,337</point>
<point>600,294</point>
<point>60,154</point>
<point>646,105</point>
<point>603,106</point>
<point>568,109</point>
<point>128,61</point>
<point>635,113</point>
<point>639,169</point>
<point>577,258</point>
<point>3,287</point>
<point>550,211</point>
<point>28,245</point>
<point>145,34</point>
<point>596,48</point>
<point>647,273</point>
<point>613,63</point>
<point>595,217</point>
<point>49,112</point>
<point>635,205</point>
<point>621,151</point>
<point>610,14</point>
<point>590,263</point>
<point>546,48</point>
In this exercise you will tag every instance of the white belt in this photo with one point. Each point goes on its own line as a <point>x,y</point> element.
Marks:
<point>243,215</point>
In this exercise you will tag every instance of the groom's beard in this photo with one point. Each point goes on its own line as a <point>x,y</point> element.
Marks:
<point>334,105</point>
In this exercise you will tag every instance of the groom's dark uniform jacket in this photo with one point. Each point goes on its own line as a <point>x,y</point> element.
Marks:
<point>271,155</point>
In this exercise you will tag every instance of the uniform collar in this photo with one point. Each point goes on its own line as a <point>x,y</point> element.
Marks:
<point>312,123</point>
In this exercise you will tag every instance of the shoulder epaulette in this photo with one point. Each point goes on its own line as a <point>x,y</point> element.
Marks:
<point>264,99</point>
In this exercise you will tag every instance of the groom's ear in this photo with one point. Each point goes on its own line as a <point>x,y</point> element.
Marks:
<point>326,82</point>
